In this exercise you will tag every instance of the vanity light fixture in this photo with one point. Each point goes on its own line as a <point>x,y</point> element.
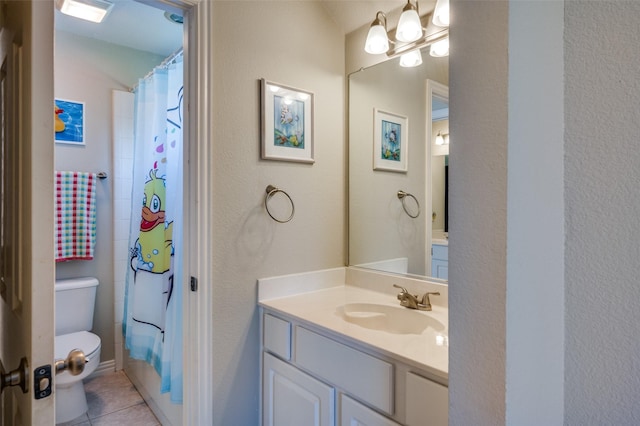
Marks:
<point>377,40</point>
<point>442,139</point>
<point>412,34</point>
<point>441,13</point>
<point>89,10</point>
<point>409,26</point>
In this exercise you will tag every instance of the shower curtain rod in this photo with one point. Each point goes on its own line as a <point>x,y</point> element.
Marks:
<point>167,61</point>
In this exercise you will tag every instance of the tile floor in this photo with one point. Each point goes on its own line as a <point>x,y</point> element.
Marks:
<point>113,400</point>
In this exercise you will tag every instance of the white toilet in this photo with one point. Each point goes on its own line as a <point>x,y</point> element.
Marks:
<point>75,302</point>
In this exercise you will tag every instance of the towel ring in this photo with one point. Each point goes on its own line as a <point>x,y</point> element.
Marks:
<point>403,196</point>
<point>271,191</point>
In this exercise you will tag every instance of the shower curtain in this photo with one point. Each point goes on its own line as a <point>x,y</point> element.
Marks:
<point>152,323</point>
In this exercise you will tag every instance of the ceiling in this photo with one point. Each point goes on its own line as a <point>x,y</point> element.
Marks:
<point>139,26</point>
<point>350,15</point>
<point>131,24</point>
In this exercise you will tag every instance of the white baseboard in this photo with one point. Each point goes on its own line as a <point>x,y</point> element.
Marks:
<point>105,367</point>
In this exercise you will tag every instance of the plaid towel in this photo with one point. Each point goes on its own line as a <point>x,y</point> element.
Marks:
<point>75,221</point>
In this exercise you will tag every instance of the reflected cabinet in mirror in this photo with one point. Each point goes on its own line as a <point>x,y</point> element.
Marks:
<point>398,163</point>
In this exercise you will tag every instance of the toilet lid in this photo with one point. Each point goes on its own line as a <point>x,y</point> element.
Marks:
<point>83,340</point>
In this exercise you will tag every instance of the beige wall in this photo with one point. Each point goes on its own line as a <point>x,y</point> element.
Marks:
<point>297,44</point>
<point>602,257</point>
<point>506,236</point>
<point>544,306</point>
<point>478,83</point>
<point>87,70</point>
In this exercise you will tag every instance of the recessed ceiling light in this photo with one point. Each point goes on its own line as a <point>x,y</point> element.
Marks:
<point>89,10</point>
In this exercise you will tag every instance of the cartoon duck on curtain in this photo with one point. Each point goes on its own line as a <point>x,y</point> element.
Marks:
<point>152,322</point>
<point>154,246</point>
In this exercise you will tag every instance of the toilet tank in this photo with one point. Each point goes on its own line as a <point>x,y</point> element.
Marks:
<point>75,302</point>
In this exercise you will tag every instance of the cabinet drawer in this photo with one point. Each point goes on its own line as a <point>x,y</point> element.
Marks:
<point>440,252</point>
<point>427,402</point>
<point>277,336</point>
<point>353,413</point>
<point>368,378</point>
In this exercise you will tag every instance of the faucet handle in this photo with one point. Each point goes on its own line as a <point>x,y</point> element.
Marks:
<point>407,299</point>
<point>425,298</point>
<point>404,290</point>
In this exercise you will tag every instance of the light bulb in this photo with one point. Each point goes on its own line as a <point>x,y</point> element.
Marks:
<point>411,59</point>
<point>409,26</point>
<point>440,48</point>
<point>441,13</point>
<point>377,40</point>
<point>439,139</point>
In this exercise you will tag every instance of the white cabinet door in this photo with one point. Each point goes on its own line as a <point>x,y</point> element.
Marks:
<point>353,413</point>
<point>293,398</point>
<point>440,269</point>
<point>440,261</point>
<point>427,402</point>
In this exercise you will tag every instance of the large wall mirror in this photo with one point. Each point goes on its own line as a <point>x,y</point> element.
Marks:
<point>383,235</point>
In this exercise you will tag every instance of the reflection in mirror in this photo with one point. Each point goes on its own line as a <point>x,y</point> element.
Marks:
<point>438,128</point>
<point>382,235</point>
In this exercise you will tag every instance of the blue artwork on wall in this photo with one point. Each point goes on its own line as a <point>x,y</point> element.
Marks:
<point>69,121</point>
<point>288,122</point>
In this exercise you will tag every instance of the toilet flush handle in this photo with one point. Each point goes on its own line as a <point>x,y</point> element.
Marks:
<point>74,363</point>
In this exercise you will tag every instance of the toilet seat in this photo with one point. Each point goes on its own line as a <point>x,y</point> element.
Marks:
<point>87,342</point>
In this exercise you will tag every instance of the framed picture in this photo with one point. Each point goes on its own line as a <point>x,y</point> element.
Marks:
<point>287,123</point>
<point>69,121</point>
<point>390,141</point>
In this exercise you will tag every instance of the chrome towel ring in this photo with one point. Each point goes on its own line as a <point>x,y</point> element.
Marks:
<point>271,191</point>
<point>402,196</point>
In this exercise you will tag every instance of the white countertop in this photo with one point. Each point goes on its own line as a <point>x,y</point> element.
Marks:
<point>428,351</point>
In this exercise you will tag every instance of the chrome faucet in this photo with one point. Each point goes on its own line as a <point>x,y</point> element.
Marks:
<point>411,301</point>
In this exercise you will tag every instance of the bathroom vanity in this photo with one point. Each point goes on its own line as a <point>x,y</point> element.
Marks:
<point>338,349</point>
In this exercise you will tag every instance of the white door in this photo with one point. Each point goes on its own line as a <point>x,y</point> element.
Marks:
<point>26,208</point>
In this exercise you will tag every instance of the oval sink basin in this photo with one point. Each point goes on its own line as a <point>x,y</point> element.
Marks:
<point>391,319</point>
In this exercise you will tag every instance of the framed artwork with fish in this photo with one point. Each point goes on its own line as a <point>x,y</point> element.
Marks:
<point>286,123</point>
<point>69,121</point>
<point>390,141</point>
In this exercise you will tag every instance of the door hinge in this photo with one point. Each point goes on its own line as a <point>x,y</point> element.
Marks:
<point>194,284</point>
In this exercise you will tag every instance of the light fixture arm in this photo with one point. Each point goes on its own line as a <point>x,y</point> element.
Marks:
<point>424,41</point>
<point>380,40</point>
<point>409,6</point>
<point>379,21</point>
